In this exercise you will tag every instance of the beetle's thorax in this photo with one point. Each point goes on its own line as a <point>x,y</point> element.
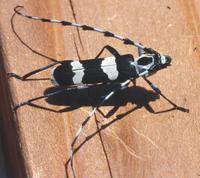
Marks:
<point>147,64</point>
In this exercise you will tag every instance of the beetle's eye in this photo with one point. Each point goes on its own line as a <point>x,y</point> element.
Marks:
<point>144,61</point>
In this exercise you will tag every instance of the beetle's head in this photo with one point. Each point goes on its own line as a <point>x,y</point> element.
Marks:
<point>150,64</point>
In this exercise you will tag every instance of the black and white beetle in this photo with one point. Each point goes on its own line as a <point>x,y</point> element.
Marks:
<point>119,69</point>
<point>107,70</point>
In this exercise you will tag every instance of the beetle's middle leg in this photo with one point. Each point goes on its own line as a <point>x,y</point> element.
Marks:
<point>24,77</point>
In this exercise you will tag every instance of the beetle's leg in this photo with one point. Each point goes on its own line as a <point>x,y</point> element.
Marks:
<point>158,91</point>
<point>134,82</point>
<point>28,102</point>
<point>105,98</point>
<point>112,50</point>
<point>141,51</point>
<point>24,77</point>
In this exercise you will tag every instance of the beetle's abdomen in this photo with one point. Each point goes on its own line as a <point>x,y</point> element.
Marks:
<point>94,71</point>
<point>62,75</point>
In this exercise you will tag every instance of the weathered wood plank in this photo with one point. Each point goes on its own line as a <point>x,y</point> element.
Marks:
<point>140,144</point>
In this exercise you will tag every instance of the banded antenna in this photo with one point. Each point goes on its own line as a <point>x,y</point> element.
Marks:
<point>126,41</point>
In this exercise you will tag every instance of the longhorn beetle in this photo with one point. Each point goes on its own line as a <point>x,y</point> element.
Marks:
<point>118,69</point>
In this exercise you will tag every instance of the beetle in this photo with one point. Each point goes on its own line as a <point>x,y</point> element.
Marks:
<point>118,69</point>
<point>74,74</point>
<point>107,70</point>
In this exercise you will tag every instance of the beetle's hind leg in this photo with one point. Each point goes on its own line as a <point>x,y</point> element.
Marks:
<point>29,102</point>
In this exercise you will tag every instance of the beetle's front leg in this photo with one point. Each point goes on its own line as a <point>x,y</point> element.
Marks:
<point>158,91</point>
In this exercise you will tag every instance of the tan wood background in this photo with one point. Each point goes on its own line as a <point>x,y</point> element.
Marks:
<point>140,144</point>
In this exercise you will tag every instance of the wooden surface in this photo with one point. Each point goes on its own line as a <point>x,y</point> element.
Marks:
<point>140,144</point>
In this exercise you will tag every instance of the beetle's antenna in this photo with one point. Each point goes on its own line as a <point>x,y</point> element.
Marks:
<point>106,33</point>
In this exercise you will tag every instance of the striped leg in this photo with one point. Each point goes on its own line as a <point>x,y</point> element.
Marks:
<point>24,77</point>
<point>140,51</point>
<point>28,102</point>
<point>158,91</point>
<point>78,133</point>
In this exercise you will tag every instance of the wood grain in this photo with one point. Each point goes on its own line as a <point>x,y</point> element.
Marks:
<point>140,143</point>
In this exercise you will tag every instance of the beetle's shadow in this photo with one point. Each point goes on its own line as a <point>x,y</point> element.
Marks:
<point>72,100</point>
<point>138,96</point>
